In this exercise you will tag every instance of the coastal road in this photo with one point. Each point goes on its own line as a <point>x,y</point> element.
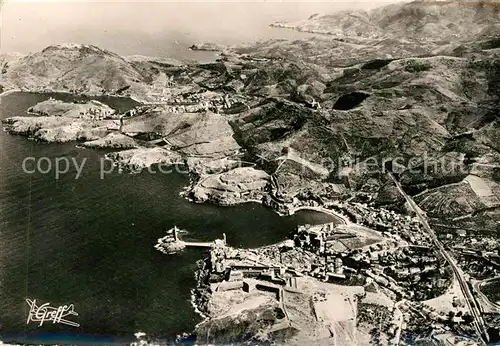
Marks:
<point>470,300</point>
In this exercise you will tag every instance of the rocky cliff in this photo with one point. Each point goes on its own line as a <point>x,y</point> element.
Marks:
<point>388,89</point>
<point>411,89</point>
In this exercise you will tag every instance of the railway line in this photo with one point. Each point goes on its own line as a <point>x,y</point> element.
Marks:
<point>470,300</point>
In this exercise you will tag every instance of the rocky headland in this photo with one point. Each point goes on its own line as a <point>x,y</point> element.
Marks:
<point>408,89</point>
<point>113,140</point>
<point>233,187</point>
<point>426,20</point>
<point>135,159</point>
<point>58,129</point>
<point>209,47</point>
<point>83,110</point>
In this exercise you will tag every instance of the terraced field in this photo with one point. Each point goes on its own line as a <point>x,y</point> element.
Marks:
<point>449,201</point>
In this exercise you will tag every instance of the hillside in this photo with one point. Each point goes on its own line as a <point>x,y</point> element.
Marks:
<point>413,109</point>
<point>409,89</point>
<point>326,110</point>
<point>73,68</point>
<point>423,20</point>
<point>378,102</point>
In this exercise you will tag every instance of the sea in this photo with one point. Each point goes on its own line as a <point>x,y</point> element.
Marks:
<point>88,240</point>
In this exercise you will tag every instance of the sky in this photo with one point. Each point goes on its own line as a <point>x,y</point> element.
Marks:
<point>151,28</point>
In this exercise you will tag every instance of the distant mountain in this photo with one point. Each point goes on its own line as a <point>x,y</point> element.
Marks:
<point>412,88</point>
<point>408,80</point>
<point>73,68</point>
<point>427,20</point>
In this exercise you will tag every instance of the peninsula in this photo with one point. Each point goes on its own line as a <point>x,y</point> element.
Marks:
<point>387,118</point>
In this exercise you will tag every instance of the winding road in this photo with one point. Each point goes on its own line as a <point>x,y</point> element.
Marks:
<point>486,302</point>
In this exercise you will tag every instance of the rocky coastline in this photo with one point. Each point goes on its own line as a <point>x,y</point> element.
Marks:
<point>202,296</point>
<point>292,124</point>
<point>57,129</point>
<point>205,148</point>
<point>112,140</point>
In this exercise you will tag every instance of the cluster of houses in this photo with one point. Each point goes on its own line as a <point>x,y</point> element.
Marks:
<point>387,222</point>
<point>319,238</point>
<point>202,103</point>
<point>95,113</point>
<point>394,263</point>
<point>198,102</point>
<point>236,269</point>
<point>445,324</point>
<point>92,109</point>
<point>397,265</point>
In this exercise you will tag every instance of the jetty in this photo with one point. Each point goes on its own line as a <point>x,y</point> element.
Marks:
<point>172,243</point>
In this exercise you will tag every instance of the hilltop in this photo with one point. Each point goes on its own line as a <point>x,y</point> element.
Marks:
<point>309,107</point>
<point>412,89</point>
<point>75,68</point>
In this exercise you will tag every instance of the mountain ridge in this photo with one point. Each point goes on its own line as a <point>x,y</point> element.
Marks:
<point>421,20</point>
<point>313,121</point>
<point>378,97</point>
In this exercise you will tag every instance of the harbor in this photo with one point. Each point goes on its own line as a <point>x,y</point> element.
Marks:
<point>129,224</point>
<point>172,243</point>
